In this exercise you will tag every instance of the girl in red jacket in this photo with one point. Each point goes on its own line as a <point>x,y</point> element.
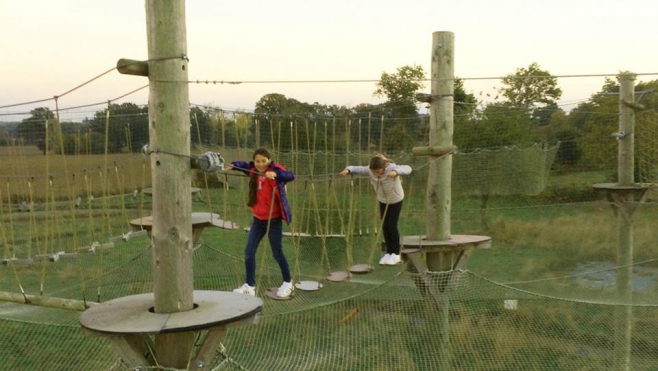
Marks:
<point>269,204</point>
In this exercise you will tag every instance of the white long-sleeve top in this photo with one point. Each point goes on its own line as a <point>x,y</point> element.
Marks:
<point>389,190</point>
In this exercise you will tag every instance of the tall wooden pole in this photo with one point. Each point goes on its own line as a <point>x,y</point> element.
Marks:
<point>625,210</point>
<point>626,160</point>
<point>169,129</point>
<point>440,170</point>
<point>440,134</point>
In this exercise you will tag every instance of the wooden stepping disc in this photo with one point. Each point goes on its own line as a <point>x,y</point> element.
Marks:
<point>340,276</point>
<point>410,250</point>
<point>224,224</point>
<point>271,292</point>
<point>308,285</point>
<point>17,261</point>
<point>361,268</point>
<point>296,234</point>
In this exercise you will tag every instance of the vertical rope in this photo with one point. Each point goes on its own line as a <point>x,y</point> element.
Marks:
<point>9,251</point>
<point>381,134</point>
<point>103,174</point>
<point>205,175</point>
<point>349,248</point>
<point>120,185</point>
<point>295,239</point>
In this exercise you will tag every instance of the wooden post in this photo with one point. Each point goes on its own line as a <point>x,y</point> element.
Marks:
<point>440,135</point>
<point>626,161</point>
<point>440,172</point>
<point>43,301</point>
<point>444,252</point>
<point>169,129</point>
<point>169,313</point>
<point>626,175</point>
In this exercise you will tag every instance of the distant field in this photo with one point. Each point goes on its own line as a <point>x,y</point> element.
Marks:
<point>19,151</point>
<point>25,169</point>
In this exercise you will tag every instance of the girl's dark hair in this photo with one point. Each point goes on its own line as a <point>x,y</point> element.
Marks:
<point>263,152</point>
<point>379,162</point>
<point>253,177</point>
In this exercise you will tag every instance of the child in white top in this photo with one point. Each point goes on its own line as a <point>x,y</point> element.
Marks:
<point>385,178</point>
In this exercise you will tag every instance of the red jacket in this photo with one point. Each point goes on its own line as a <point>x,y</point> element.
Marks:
<point>283,176</point>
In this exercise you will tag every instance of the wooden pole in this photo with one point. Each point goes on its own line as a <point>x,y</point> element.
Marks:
<point>440,135</point>
<point>626,177</point>
<point>440,170</point>
<point>626,160</point>
<point>44,301</point>
<point>169,129</point>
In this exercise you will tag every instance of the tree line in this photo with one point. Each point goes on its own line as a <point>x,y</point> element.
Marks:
<point>526,111</point>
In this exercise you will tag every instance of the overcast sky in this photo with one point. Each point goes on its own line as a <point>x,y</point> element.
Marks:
<point>50,47</point>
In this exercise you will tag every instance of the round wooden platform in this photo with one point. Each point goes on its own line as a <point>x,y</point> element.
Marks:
<point>296,234</point>
<point>198,219</point>
<point>361,268</point>
<point>271,293</point>
<point>134,314</point>
<point>410,250</point>
<point>308,285</point>
<point>149,191</point>
<point>340,276</point>
<point>224,224</point>
<point>456,242</point>
<point>616,188</point>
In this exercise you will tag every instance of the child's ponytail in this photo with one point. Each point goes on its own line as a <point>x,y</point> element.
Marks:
<point>253,188</point>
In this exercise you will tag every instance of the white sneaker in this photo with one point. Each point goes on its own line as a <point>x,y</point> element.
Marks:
<point>393,260</point>
<point>384,260</point>
<point>246,289</point>
<point>285,290</point>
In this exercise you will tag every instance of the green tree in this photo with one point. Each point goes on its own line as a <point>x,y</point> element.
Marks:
<point>530,87</point>
<point>372,118</point>
<point>602,119</point>
<point>560,129</point>
<point>402,85</point>
<point>127,127</point>
<point>275,104</point>
<point>33,128</point>
<point>505,125</point>
<point>201,131</point>
<point>6,138</point>
<point>403,125</point>
<point>580,114</point>
<point>599,118</point>
<point>275,112</point>
<point>272,111</point>
<point>465,104</point>
<point>243,127</point>
<point>466,116</point>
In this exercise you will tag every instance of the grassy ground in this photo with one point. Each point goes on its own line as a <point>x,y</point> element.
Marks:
<point>537,245</point>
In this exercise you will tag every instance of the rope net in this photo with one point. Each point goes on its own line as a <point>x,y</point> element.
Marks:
<point>544,297</point>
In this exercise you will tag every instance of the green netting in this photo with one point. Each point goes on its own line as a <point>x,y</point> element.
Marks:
<point>544,297</point>
<point>647,153</point>
<point>508,171</point>
<point>561,316</point>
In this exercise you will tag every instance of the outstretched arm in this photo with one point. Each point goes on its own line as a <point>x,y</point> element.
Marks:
<point>242,166</point>
<point>360,170</point>
<point>282,175</point>
<point>395,170</point>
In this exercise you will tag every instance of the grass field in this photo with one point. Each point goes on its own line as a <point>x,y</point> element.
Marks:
<point>538,242</point>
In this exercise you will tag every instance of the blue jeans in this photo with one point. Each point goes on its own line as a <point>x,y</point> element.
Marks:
<point>256,234</point>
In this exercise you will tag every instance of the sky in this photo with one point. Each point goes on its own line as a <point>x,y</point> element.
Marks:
<point>50,47</point>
